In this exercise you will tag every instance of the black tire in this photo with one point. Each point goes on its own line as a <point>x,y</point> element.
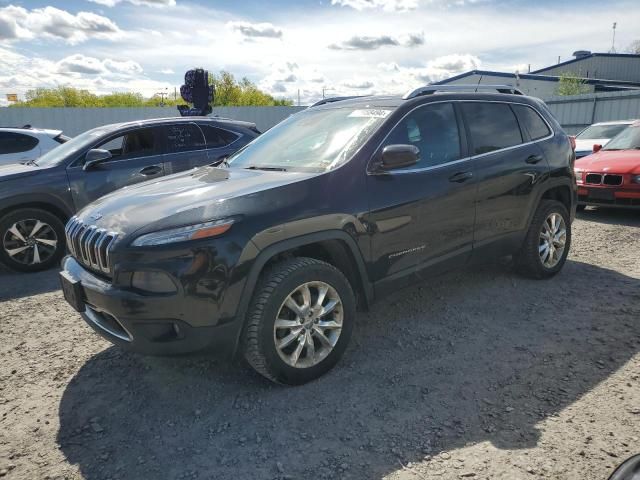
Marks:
<point>580,207</point>
<point>274,287</point>
<point>528,260</point>
<point>49,255</point>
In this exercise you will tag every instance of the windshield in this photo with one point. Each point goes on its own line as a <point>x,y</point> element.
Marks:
<point>629,139</point>
<point>602,131</point>
<point>61,153</point>
<point>314,140</point>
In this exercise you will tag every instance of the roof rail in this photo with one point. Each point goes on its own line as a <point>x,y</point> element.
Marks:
<point>431,89</point>
<point>324,101</point>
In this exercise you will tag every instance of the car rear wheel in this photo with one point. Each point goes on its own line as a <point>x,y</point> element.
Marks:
<point>31,240</point>
<point>548,240</point>
<point>300,321</point>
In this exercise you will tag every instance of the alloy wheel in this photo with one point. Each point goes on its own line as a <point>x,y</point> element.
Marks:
<point>308,324</point>
<point>553,238</point>
<point>30,241</point>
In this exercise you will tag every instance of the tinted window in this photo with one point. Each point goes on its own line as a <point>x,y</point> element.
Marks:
<point>434,130</point>
<point>217,137</point>
<point>15,142</point>
<point>184,138</point>
<point>492,126</point>
<point>531,121</point>
<point>598,132</point>
<point>134,144</point>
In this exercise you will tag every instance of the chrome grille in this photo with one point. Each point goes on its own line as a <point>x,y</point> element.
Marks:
<point>606,179</point>
<point>594,178</point>
<point>89,244</point>
<point>612,179</point>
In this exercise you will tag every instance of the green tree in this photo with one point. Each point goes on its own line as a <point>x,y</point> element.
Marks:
<point>571,85</point>
<point>229,92</point>
<point>634,47</point>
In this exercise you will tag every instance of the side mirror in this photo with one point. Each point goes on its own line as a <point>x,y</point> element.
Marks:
<point>94,157</point>
<point>597,148</point>
<point>399,156</point>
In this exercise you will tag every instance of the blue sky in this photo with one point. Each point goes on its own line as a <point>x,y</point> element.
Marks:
<point>286,46</point>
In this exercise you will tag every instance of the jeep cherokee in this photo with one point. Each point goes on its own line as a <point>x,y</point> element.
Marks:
<point>272,254</point>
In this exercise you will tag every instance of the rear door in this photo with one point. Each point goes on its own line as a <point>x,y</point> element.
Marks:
<point>220,142</point>
<point>18,147</point>
<point>186,147</point>
<point>422,216</point>
<point>136,157</point>
<point>509,166</point>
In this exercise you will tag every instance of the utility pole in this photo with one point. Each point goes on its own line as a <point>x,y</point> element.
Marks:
<point>613,41</point>
<point>298,97</point>
<point>162,95</point>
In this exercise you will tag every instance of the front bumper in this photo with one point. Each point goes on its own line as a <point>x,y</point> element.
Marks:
<point>148,324</point>
<point>606,196</point>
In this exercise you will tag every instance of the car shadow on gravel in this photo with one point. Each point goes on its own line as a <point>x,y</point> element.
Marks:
<point>479,355</point>
<point>611,216</point>
<point>20,285</point>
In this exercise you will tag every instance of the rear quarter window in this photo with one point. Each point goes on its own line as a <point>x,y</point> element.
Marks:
<point>531,121</point>
<point>11,142</point>
<point>492,126</point>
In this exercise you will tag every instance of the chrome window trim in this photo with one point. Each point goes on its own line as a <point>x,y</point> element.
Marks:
<point>464,159</point>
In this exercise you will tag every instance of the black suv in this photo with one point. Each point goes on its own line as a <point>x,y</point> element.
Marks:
<point>38,197</point>
<point>336,206</point>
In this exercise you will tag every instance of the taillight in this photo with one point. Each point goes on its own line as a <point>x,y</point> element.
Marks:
<point>572,141</point>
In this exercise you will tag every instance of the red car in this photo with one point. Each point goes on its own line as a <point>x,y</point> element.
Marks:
<point>611,176</point>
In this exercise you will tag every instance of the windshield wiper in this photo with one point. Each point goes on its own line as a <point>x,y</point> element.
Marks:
<point>272,169</point>
<point>29,162</point>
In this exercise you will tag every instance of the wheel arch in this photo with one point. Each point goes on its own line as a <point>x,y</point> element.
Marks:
<point>335,247</point>
<point>49,205</point>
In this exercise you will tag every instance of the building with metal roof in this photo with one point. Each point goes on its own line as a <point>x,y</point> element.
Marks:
<point>601,72</point>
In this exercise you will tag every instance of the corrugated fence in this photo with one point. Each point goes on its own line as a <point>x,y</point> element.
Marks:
<point>73,121</point>
<point>579,111</point>
<point>573,112</point>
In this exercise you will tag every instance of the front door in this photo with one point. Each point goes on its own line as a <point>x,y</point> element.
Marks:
<point>136,157</point>
<point>422,217</point>
<point>186,147</point>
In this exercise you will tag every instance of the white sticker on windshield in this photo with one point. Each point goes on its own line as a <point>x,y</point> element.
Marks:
<point>370,113</point>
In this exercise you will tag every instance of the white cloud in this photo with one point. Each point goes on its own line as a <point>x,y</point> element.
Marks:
<point>167,71</point>
<point>148,3</point>
<point>374,42</point>
<point>18,23</point>
<point>386,5</point>
<point>265,30</point>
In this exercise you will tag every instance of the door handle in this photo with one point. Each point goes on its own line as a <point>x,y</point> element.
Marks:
<point>151,170</point>
<point>533,159</point>
<point>460,177</point>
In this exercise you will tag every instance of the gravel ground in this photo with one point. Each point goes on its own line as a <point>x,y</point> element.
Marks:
<point>476,374</point>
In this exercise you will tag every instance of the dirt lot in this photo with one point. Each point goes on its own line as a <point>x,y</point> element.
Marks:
<point>478,374</point>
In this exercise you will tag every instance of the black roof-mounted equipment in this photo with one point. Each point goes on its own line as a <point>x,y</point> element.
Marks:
<point>431,89</point>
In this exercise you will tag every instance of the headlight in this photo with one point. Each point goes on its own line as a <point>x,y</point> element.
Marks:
<point>635,178</point>
<point>182,234</point>
<point>578,174</point>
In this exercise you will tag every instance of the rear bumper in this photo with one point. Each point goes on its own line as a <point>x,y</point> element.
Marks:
<point>147,324</point>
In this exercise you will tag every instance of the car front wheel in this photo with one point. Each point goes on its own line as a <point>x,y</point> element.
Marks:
<point>31,240</point>
<point>300,321</point>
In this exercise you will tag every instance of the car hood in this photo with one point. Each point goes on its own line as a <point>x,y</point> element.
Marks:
<point>16,170</point>
<point>186,198</point>
<point>611,161</point>
<point>588,143</point>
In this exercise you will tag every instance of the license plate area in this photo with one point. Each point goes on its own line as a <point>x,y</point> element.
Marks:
<point>601,194</point>
<point>72,290</point>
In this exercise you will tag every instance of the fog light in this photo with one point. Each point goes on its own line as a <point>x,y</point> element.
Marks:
<point>154,282</point>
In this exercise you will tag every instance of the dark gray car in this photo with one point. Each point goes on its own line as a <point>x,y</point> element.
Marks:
<point>37,198</point>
